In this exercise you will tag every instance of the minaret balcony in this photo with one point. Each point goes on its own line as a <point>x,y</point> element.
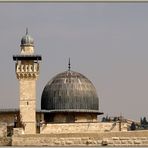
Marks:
<point>27,57</point>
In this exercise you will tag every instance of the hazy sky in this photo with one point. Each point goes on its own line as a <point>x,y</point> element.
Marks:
<point>107,42</point>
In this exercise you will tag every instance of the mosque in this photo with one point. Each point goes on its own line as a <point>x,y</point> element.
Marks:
<point>69,97</point>
<point>69,107</point>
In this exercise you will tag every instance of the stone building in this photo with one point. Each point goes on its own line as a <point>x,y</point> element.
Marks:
<point>69,106</point>
<point>69,97</point>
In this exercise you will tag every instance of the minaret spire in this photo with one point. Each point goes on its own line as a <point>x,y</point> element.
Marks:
<point>26,30</point>
<point>69,65</point>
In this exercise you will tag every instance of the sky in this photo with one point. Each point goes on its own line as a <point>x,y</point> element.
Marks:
<point>107,42</point>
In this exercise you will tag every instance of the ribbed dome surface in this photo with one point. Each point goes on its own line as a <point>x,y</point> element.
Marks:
<point>27,40</point>
<point>70,92</point>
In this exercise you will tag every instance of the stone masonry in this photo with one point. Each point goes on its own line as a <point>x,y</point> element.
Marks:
<point>81,127</point>
<point>131,138</point>
<point>4,140</point>
<point>27,71</point>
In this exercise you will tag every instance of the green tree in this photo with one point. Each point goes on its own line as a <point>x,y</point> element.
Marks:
<point>103,119</point>
<point>141,121</point>
<point>133,126</point>
<point>145,121</point>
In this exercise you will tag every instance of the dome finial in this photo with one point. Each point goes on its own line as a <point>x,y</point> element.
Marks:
<point>69,65</point>
<point>27,39</point>
<point>26,30</point>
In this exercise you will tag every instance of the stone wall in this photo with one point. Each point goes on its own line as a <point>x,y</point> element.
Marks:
<point>3,129</point>
<point>81,127</point>
<point>7,118</point>
<point>85,117</point>
<point>18,131</point>
<point>27,104</point>
<point>72,117</point>
<point>4,140</point>
<point>125,141</point>
<point>136,138</point>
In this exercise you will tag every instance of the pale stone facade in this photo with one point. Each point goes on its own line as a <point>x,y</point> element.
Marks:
<point>28,104</point>
<point>8,118</point>
<point>131,138</point>
<point>3,129</point>
<point>4,140</point>
<point>72,117</point>
<point>27,71</point>
<point>27,50</point>
<point>82,128</point>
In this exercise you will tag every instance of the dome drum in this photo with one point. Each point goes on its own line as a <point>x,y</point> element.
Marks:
<point>69,117</point>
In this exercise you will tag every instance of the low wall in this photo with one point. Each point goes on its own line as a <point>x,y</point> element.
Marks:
<point>125,141</point>
<point>7,117</point>
<point>3,130</point>
<point>81,127</point>
<point>5,141</point>
<point>132,138</point>
<point>18,131</point>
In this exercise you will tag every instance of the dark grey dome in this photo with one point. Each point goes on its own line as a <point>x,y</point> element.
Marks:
<point>70,92</point>
<point>27,40</point>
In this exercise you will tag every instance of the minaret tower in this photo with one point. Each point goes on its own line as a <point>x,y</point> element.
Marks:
<point>27,71</point>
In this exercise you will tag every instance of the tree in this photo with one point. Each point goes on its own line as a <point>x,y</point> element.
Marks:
<point>103,119</point>
<point>133,126</point>
<point>106,118</point>
<point>141,121</point>
<point>115,119</point>
<point>109,119</point>
<point>144,121</point>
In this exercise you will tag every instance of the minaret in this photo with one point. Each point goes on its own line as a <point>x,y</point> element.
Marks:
<point>27,71</point>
